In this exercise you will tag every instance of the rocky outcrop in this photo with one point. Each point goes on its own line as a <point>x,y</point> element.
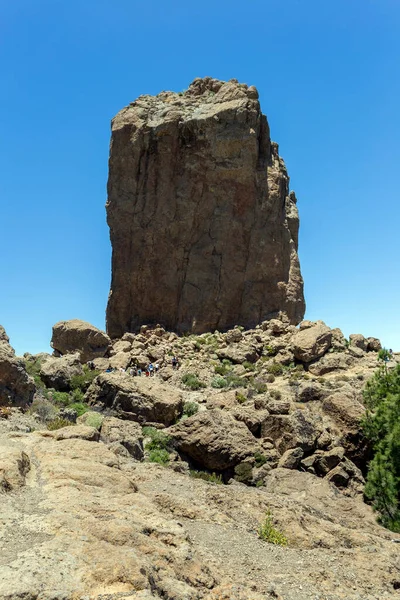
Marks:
<point>136,399</point>
<point>74,336</point>
<point>16,387</point>
<point>202,225</point>
<point>58,372</point>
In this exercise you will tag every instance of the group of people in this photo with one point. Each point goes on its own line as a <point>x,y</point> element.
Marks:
<point>149,371</point>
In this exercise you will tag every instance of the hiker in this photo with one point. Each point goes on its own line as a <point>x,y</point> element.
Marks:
<point>174,362</point>
<point>151,370</point>
<point>157,367</point>
<point>139,372</point>
<point>147,373</point>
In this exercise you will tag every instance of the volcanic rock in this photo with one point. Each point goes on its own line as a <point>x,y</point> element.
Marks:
<point>16,387</point>
<point>203,228</point>
<point>74,336</point>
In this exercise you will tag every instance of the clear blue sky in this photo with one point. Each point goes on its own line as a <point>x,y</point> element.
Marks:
<point>329,81</point>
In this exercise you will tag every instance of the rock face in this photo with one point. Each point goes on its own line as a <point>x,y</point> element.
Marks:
<point>75,335</point>
<point>203,229</point>
<point>16,387</point>
<point>58,372</point>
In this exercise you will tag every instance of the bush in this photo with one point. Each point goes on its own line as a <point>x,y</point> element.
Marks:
<point>249,366</point>
<point>94,419</point>
<point>44,409</point>
<point>192,381</point>
<point>205,476</point>
<point>270,378</point>
<point>276,394</point>
<point>5,412</point>
<point>270,351</point>
<point>241,398</point>
<point>219,382</point>
<point>61,398</point>
<point>79,407</point>
<point>158,439</point>
<point>58,423</point>
<point>269,533</point>
<point>190,409</point>
<point>234,381</point>
<point>82,382</point>
<point>33,367</point>
<point>275,368</point>
<point>159,455</point>
<point>381,426</point>
<point>260,459</point>
<point>260,387</point>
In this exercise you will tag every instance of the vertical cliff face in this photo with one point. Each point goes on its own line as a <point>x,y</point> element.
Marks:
<point>203,228</point>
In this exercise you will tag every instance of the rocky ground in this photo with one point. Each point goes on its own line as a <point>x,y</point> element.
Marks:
<point>253,425</point>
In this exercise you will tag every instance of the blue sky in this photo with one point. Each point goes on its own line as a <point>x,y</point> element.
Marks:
<point>329,80</point>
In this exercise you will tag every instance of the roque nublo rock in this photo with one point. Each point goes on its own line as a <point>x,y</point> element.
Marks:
<point>203,228</point>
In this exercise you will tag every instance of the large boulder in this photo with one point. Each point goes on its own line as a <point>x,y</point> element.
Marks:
<point>141,399</point>
<point>214,440</point>
<point>337,361</point>
<point>74,336</point>
<point>58,372</point>
<point>16,386</point>
<point>312,342</point>
<point>198,202</point>
<point>128,434</point>
<point>300,429</point>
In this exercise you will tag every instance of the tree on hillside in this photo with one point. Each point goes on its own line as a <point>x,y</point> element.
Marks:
<point>382,428</point>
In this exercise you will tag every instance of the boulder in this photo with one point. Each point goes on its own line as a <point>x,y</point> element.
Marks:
<point>344,409</point>
<point>311,342</point>
<point>308,392</point>
<point>14,465</point>
<point>126,433</point>
<point>336,361</point>
<point>141,399</point>
<point>58,372</point>
<point>374,345</point>
<point>339,342</point>
<point>299,429</point>
<point>359,341</point>
<point>78,432</point>
<point>214,440</point>
<point>16,386</point>
<point>291,458</point>
<point>198,201</point>
<point>238,353</point>
<point>74,336</point>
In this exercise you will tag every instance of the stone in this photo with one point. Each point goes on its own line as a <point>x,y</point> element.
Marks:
<point>214,440</point>
<point>278,407</point>
<point>344,409</point>
<point>374,345</point>
<point>299,429</point>
<point>326,461</point>
<point>16,386</point>
<point>312,342</point>
<point>339,342</point>
<point>80,432</point>
<point>309,392</point>
<point>336,361</point>
<point>338,476</point>
<point>141,399</point>
<point>233,335</point>
<point>14,466</point>
<point>238,353</point>
<point>291,458</point>
<point>198,201</point>
<point>74,336</point>
<point>358,340</point>
<point>58,372</point>
<point>126,433</point>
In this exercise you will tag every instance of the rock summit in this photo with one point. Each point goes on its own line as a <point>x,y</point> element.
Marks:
<point>203,228</point>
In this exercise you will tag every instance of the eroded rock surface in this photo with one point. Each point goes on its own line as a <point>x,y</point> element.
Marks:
<point>16,387</point>
<point>202,225</point>
<point>75,335</point>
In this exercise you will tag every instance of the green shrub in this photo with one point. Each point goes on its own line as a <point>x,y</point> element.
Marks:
<point>249,366</point>
<point>269,533</point>
<point>192,381</point>
<point>205,476</point>
<point>94,419</point>
<point>276,394</point>
<point>260,387</point>
<point>260,483</point>
<point>221,369</point>
<point>234,381</point>
<point>270,378</point>
<point>79,407</point>
<point>241,398</point>
<point>158,439</point>
<point>82,382</point>
<point>260,459</point>
<point>190,409</point>
<point>219,382</point>
<point>33,367</point>
<point>58,423</point>
<point>44,409</point>
<point>275,368</point>
<point>159,455</point>
<point>61,398</point>
<point>381,427</point>
<point>77,395</point>
<point>270,351</point>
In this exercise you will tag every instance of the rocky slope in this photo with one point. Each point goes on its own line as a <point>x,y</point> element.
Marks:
<point>273,412</point>
<point>202,225</point>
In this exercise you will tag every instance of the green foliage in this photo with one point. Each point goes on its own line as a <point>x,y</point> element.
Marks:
<point>58,423</point>
<point>381,426</point>
<point>205,476</point>
<point>383,355</point>
<point>44,409</point>
<point>219,382</point>
<point>270,351</point>
<point>190,409</point>
<point>221,369</point>
<point>79,407</point>
<point>61,398</point>
<point>269,533</point>
<point>249,366</point>
<point>276,394</point>
<point>77,395</point>
<point>192,381</point>
<point>82,382</point>
<point>159,455</point>
<point>241,398</point>
<point>32,367</point>
<point>260,387</point>
<point>235,381</point>
<point>94,419</point>
<point>260,459</point>
<point>275,368</point>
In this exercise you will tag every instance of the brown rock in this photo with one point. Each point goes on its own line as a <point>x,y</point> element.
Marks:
<point>312,342</point>
<point>136,398</point>
<point>198,201</point>
<point>359,341</point>
<point>58,372</point>
<point>298,429</point>
<point>291,458</point>
<point>344,409</point>
<point>374,345</point>
<point>16,387</point>
<point>78,336</point>
<point>126,433</point>
<point>331,362</point>
<point>214,440</point>
<point>79,432</point>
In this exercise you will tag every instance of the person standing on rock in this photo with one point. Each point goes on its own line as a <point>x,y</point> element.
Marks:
<point>174,362</point>
<point>151,370</point>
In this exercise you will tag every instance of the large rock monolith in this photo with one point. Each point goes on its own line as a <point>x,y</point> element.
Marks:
<point>203,228</point>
